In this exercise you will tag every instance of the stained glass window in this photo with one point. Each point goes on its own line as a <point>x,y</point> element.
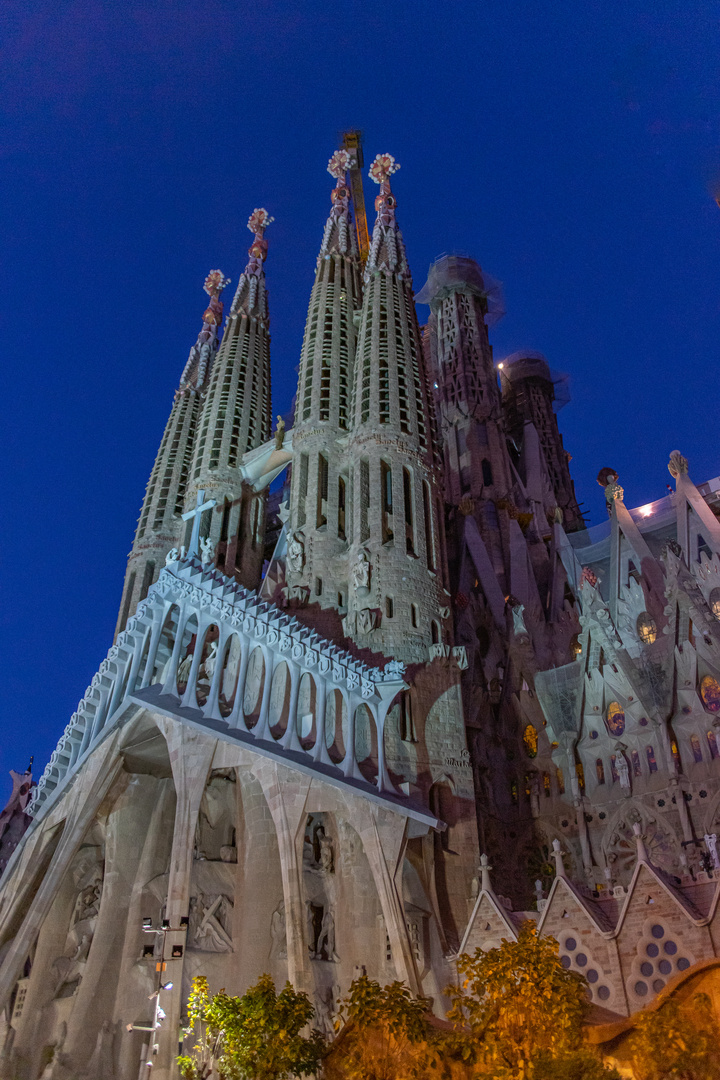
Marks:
<point>546,784</point>
<point>514,791</point>
<point>710,693</point>
<point>560,780</point>
<point>615,719</point>
<point>676,754</point>
<point>712,743</point>
<point>580,772</point>
<point>635,757</point>
<point>652,763</point>
<point>600,770</point>
<point>695,747</point>
<point>530,738</point>
<point>613,770</point>
<point>646,628</point>
<point>715,603</point>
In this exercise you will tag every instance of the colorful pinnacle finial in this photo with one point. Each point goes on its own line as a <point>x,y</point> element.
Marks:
<point>215,282</point>
<point>339,164</point>
<point>382,168</point>
<point>259,221</point>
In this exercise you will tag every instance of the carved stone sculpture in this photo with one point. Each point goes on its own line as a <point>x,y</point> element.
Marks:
<point>361,574</point>
<point>367,620</point>
<point>207,549</point>
<point>677,465</point>
<point>209,922</point>
<point>278,932</point>
<point>711,845</point>
<point>172,556</point>
<point>295,553</point>
<point>327,859</point>
<point>326,938</point>
<point>279,433</point>
<point>622,770</point>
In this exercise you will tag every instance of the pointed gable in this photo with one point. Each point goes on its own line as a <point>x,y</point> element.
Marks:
<point>488,925</point>
<point>660,934</point>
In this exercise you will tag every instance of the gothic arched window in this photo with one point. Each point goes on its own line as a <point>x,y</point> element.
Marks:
<point>615,718</point>
<point>710,693</point>
<point>530,738</point>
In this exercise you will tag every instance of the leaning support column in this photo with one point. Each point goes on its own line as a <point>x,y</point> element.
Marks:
<point>191,755</point>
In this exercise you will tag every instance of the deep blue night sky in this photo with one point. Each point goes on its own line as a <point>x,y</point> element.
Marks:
<point>572,148</point>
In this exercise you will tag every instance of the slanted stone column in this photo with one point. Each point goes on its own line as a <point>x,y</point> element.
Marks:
<point>101,772</point>
<point>286,793</point>
<point>191,754</point>
<point>126,824</point>
<point>384,837</point>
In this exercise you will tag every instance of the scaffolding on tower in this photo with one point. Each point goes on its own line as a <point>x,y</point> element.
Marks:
<point>352,142</point>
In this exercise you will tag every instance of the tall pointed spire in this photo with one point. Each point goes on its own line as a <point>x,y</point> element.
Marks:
<point>319,495</point>
<point>396,506</point>
<point>160,526</point>
<point>236,418</point>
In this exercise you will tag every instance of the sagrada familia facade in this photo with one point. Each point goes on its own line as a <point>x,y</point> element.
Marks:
<point>387,720</point>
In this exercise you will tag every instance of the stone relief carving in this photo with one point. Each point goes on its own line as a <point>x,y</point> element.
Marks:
<point>319,887</point>
<point>278,933</point>
<point>325,1001</point>
<point>69,967</point>
<point>210,923</point>
<point>215,830</point>
<point>367,620</point>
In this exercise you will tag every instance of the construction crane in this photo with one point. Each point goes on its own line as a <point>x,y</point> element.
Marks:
<point>352,142</point>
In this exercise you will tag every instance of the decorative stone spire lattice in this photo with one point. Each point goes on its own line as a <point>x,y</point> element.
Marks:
<point>160,526</point>
<point>236,418</point>
<point>320,496</point>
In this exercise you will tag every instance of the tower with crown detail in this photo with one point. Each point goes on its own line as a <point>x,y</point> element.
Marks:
<point>320,507</point>
<point>236,419</point>
<point>397,602</point>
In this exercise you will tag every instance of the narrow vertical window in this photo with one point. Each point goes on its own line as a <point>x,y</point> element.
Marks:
<point>387,501</point>
<point>414,615</point>
<point>302,490</point>
<point>318,586</point>
<point>600,771</point>
<point>322,490</point>
<point>227,506</point>
<point>696,748</point>
<point>389,607</point>
<point>560,780</point>
<point>487,473</point>
<point>341,507</point>
<point>546,785</point>
<point>128,600</point>
<point>652,763</point>
<point>429,534</point>
<point>409,523</point>
<point>635,758</point>
<point>435,632</point>
<point>147,578</point>
<point>364,500</point>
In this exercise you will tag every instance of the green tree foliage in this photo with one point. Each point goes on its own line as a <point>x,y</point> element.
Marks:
<point>519,1012</point>
<point>677,1042</point>
<point>253,1037</point>
<point>386,1034</point>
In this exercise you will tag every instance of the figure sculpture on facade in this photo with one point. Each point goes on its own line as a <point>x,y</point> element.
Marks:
<point>326,851</point>
<point>361,573</point>
<point>172,556</point>
<point>623,772</point>
<point>711,845</point>
<point>295,553</point>
<point>278,932</point>
<point>326,937</point>
<point>211,660</point>
<point>207,549</point>
<point>279,433</point>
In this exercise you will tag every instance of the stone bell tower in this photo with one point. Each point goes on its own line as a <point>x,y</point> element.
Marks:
<point>160,525</point>
<point>235,418</point>
<point>320,518</point>
<point>397,603</point>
